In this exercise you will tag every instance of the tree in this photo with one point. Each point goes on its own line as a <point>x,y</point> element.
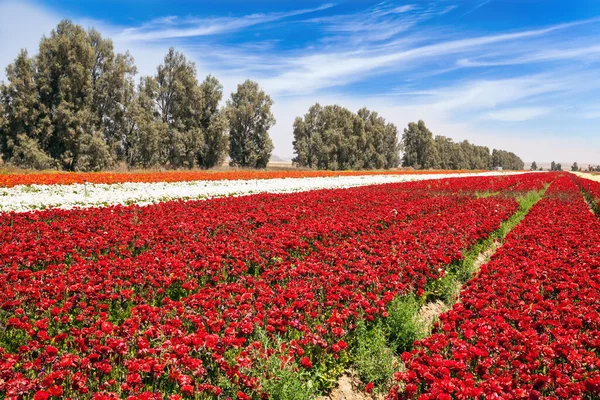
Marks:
<point>381,149</point>
<point>552,166</point>
<point>213,123</point>
<point>65,65</point>
<point>21,137</point>
<point>113,92</point>
<point>250,118</point>
<point>534,166</point>
<point>305,135</point>
<point>75,106</point>
<point>178,100</point>
<point>145,129</point>
<point>417,142</point>
<point>558,167</point>
<point>575,167</point>
<point>506,160</point>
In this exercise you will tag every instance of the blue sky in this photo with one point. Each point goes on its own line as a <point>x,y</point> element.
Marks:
<point>521,75</point>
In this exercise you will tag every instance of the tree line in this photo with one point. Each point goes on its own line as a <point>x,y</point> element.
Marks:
<point>423,150</point>
<point>76,106</point>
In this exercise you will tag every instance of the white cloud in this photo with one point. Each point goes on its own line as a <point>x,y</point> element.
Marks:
<point>320,70</point>
<point>517,114</point>
<point>174,27</point>
<point>479,5</point>
<point>586,52</point>
<point>21,27</point>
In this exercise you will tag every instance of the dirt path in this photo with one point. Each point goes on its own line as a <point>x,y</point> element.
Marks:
<point>349,388</point>
<point>588,176</point>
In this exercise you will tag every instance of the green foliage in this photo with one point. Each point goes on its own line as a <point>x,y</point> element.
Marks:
<point>26,153</point>
<point>334,138</point>
<point>419,149</point>
<point>401,325</point>
<point>506,160</point>
<point>373,359</point>
<point>143,143</point>
<point>423,150</point>
<point>250,118</point>
<point>534,166</point>
<point>575,167</point>
<point>287,383</point>
<point>555,166</point>
<point>446,288</point>
<point>213,122</point>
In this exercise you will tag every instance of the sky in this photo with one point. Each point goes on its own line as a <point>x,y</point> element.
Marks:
<point>520,75</point>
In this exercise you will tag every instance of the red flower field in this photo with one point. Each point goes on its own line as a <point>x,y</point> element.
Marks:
<point>200,299</point>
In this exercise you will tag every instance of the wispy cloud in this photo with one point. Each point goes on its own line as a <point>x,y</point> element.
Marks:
<point>175,27</point>
<point>588,52</point>
<point>378,23</point>
<point>322,70</point>
<point>517,114</point>
<point>591,112</point>
<point>479,5</point>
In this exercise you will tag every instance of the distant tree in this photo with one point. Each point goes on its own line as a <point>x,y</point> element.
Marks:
<point>305,133</point>
<point>213,123</point>
<point>575,167</point>
<point>381,149</point>
<point>178,100</point>
<point>113,90</point>
<point>552,166</point>
<point>445,150</point>
<point>534,166</point>
<point>422,150</point>
<point>417,142</point>
<point>333,137</point>
<point>147,130</point>
<point>330,137</point>
<point>250,118</point>
<point>21,135</point>
<point>558,167</point>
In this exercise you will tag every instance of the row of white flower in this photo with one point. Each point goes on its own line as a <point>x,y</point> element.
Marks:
<point>36,197</point>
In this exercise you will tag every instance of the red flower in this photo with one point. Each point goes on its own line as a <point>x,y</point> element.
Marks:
<point>41,395</point>
<point>242,396</point>
<point>305,362</point>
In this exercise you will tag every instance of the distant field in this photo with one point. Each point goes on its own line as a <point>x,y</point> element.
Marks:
<point>13,177</point>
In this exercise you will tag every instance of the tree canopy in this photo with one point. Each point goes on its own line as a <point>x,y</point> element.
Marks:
<point>335,138</point>
<point>424,151</point>
<point>250,118</point>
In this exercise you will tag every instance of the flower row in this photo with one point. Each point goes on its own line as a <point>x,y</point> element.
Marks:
<point>68,178</point>
<point>35,197</point>
<point>528,326</point>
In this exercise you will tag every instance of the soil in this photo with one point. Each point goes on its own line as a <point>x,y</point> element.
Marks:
<point>588,176</point>
<point>350,388</point>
